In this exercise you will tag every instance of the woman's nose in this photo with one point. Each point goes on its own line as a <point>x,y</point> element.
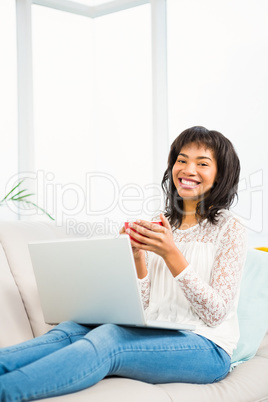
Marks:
<point>190,169</point>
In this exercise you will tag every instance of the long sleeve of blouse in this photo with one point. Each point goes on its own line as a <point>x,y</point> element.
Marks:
<point>145,286</point>
<point>212,301</point>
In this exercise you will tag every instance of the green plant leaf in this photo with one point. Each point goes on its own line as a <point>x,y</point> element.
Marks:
<point>18,197</point>
<point>11,191</point>
<point>41,209</point>
<point>15,198</point>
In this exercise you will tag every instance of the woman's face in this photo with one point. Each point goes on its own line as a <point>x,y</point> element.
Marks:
<point>194,171</point>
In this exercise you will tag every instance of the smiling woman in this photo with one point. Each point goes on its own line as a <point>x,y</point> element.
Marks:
<point>201,178</point>
<point>194,173</point>
<point>190,276</point>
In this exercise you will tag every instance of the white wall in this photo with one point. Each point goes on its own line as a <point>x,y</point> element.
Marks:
<point>218,63</point>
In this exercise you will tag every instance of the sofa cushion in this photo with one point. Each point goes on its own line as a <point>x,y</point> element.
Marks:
<point>246,383</point>
<point>14,237</point>
<point>252,306</point>
<point>14,323</point>
<point>263,349</point>
<point>117,389</point>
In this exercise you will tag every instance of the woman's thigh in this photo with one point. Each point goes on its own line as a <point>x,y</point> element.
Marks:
<point>159,356</point>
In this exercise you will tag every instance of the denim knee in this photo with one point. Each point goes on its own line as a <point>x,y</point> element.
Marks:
<point>106,336</point>
<point>70,328</point>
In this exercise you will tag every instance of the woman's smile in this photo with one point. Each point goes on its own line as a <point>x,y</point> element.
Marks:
<point>188,183</point>
<point>194,171</point>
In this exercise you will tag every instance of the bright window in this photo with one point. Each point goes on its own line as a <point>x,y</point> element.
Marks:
<point>92,112</point>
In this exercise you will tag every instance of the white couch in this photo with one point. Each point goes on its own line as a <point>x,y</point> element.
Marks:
<point>21,318</point>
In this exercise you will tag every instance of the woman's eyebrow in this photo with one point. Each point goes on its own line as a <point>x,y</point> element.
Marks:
<point>198,157</point>
<point>204,157</point>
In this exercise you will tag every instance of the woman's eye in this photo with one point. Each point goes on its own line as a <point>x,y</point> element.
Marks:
<point>180,161</point>
<point>203,164</point>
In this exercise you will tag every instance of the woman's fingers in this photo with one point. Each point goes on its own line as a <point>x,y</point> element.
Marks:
<point>142,236</point>
<point>122,230</point>
<point>136,233</point>
<point>165,222</point>
<point>151,236</point>
<point>150,231</point>
<point>146,226</point>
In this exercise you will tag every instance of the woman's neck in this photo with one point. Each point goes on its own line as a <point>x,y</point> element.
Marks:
<point>189,215</point>
<point>188,221</point>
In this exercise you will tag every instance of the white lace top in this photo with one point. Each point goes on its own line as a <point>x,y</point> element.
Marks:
<point>206,292</point>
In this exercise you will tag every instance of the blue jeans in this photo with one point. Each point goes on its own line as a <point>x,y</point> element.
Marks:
<point>72,357</point>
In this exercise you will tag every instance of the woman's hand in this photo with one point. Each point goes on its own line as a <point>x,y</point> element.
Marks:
<point>153,237</point>
<point>158,239</point>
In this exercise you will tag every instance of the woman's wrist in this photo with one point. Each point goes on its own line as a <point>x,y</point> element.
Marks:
<point>140,263</point>
<point>175,261</point>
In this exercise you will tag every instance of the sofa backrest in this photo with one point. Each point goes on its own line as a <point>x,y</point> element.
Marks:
<point>21,316</point>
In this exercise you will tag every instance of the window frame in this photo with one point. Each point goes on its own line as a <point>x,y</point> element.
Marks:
<point>160,144</point>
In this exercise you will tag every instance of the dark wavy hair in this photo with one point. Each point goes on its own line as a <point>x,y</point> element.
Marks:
<point>224,190</point>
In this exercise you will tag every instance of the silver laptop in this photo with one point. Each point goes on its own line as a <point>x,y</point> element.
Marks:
<point>90,281</point>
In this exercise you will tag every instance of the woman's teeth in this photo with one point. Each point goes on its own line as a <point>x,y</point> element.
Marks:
<point>189,183</point>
